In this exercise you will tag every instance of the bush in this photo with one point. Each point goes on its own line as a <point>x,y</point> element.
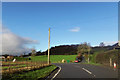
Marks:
<point>104,57</point>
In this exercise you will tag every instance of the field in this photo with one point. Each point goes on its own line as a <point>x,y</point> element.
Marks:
<point>30,75</point>
<point>11,67</point>
<point>24,70</point>
<point>54,58</point>
<point>36,68</point>
<point>33,69</point>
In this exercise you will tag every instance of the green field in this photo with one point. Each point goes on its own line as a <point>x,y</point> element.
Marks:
<point>30,75</point>
<point>54,58</point>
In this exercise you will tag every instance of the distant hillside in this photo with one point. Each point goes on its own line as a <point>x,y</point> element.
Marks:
<point>72,49</point>
<point>63,50</point>
<point>100,49</point>
<point>115,45</point>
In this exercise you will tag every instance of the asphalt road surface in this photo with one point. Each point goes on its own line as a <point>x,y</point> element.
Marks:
<point>76,70</point>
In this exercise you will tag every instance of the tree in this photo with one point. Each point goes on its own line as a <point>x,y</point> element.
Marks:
<point>6,55</point>
<point>83,48</point>
<point>38,53</point>
<point>102,44</point>
<point>30,54</point>
<point>33,52</point>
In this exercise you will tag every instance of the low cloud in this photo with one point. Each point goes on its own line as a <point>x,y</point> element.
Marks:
<point>13,44</point>
<point>110,43</point>
<point>75,29</point>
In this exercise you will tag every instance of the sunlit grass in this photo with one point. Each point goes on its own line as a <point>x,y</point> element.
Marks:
<point>54,58</point>
<point>30,75</point>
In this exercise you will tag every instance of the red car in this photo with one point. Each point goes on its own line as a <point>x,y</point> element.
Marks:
<point>78,60</point>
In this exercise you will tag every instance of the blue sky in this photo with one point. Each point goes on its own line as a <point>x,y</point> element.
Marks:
<point>70,23</point>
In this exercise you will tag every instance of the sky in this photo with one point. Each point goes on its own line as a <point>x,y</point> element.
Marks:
<point>60,0</point>
<point>70,22</point>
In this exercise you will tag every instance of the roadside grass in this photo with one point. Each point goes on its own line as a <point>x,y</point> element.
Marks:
<point>92,63</point>
<point>54,58</point>
<point>30,75</point>
<point>92,59</point>
<point>21,58</point>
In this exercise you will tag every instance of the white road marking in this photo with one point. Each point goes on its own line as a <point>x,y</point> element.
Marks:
<point>88,71</point>
<point>85,70</point>
<point>56,73</point>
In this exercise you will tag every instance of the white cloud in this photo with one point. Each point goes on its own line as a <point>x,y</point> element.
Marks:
<point>13,44</point>
<point>75,29</point>
<point>110,43</point>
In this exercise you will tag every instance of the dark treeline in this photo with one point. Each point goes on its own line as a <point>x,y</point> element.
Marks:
<point>72,49</point>
<point>62,50</point>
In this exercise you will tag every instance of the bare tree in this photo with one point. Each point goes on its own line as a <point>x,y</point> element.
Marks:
<point>102,44</point>
<point>33,52</point>
<point>83,48</point>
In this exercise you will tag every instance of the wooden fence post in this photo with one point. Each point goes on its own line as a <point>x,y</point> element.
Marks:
<point>110,62</point>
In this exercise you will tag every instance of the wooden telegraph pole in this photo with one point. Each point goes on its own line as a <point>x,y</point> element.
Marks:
<point>88,56</point>
<point>49,47</point>
<point>89,53</point>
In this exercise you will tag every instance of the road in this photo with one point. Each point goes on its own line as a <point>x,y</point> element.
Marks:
<point>75,70</point>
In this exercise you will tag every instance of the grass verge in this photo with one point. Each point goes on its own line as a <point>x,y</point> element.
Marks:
<point>54,58</point>
<point>92,63</point>
<point>30,75</point>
